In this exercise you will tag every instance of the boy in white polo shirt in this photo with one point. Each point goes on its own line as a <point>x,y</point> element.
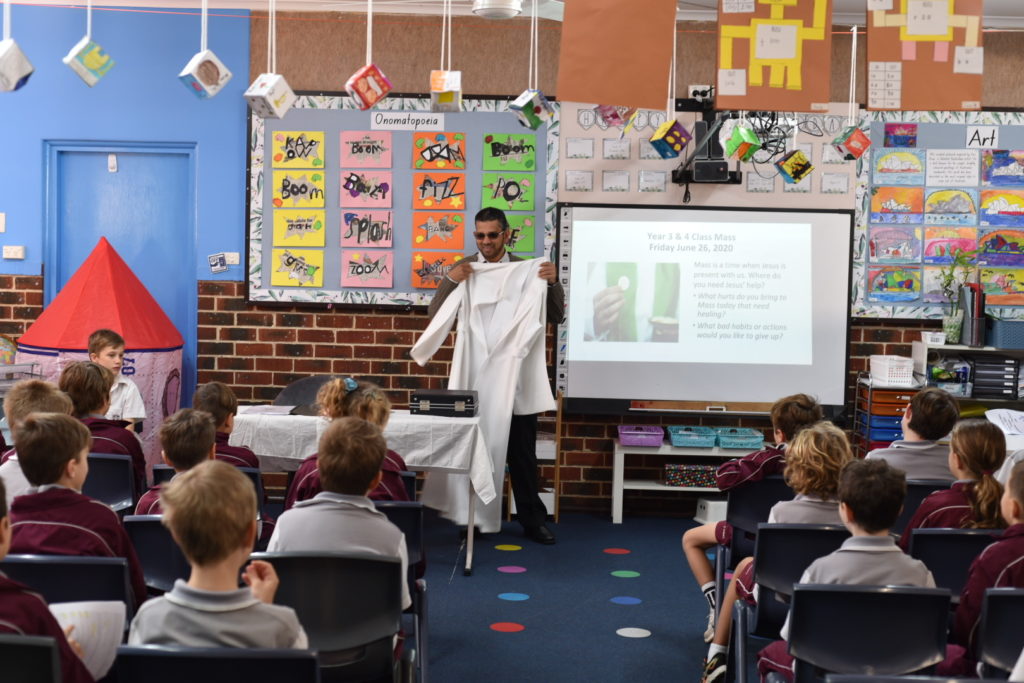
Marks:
<point>106,348</point>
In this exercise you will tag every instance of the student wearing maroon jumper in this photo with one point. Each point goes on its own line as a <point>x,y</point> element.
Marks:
<point>54,518</point>
<point>976,450</point>
<point>349,398</point>
<point>186,439</point>
<point>217,399</point>
<point>789,415</point>
<point>88,384</point>
<point>25,397</point>
<point>25,613</point>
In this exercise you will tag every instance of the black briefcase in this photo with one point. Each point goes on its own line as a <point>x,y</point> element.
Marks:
<point>447,402</point>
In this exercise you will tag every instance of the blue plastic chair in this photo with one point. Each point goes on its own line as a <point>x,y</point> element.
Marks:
<point>1002,637</point>
<point>408,516</point>
<point>170,664</point>
<point>948,554</point>
<point>161,559</point>
<point>917,491</point>
<point>71,578</point>
<point>163,474</point>
<point>111,480</point>
<point>29,659</point>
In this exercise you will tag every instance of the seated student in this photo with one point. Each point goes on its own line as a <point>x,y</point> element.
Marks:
<point>217,399</point>
<point>365,400</point>
<point>1000,565</point>
<point>929,417</point>
<point>871,494</point>
<point>27,396</point>
<point>814,461</point>
<point>25,613</point>
<point>211,512</point>
<point>106,348</point>
<point>976,450</point>
<point>88,385</point>
<point>186,440</point>
<point>54,518</point>
<point>789,415</point>
<point>341,517</point>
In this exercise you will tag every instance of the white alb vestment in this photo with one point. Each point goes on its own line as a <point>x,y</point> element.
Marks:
<point>499,352</point>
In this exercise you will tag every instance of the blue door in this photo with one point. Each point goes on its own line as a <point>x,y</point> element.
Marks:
<point>141,197</point>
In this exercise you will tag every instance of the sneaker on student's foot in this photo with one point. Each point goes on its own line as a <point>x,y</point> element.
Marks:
<point>714,669</point>
<point>709,632</point>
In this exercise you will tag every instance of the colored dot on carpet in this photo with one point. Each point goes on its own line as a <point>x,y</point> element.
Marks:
<point>625,573</point>
<point>633,633</point>
<point>508,547</point>
<point>617,551</point>
<point>507,627</point>
<point>511,569</point>
<point>514,597</point>
<point>625,600</point>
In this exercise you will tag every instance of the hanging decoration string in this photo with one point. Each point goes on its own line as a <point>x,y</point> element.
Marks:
<point>446,35</point>
<point>88,19</point>
<point>853,75</point>
<point>670,107</point>
<point>369,31</point>
<point>271,38</point>
<point>205,8</point>
<point>534,77</point>
<point>7,19</point>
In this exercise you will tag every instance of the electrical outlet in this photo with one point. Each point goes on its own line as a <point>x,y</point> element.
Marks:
<point>699,92</point>
<point>14,252</point>
<point>3,222</point>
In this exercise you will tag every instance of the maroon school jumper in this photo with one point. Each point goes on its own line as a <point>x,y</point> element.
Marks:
<point>945,509</point>
<point>306,483</point>
<point>149,504</point>
<point>1001,565</point>
<point>238,456</point>
<point>25,613</point>
<point>110,436</point>
<point>750,468</point>
<point>60,521</point>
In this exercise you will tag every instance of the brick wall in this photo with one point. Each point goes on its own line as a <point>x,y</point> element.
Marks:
<point>21,302</point>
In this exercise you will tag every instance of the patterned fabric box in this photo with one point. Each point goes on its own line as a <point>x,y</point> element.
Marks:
<point>690,475</point>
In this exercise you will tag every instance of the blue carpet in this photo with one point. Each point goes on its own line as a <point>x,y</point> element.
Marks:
<point>574,608</point>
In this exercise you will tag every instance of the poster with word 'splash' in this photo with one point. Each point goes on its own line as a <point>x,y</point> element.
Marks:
<point>366,228</point>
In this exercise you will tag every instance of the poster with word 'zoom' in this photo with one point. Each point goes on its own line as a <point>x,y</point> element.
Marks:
<point>439,191</point>
<point>369,268</point>
<point>297,268</point>
<point>439,151</point>
<point>510,152</point>
<point>429,267</point>
<point>438,230</point>
<point>365,149</point>
<point>366,189</point>
<point>507,191</point>
<point>298,189</point>
<point>297,149</point>
<point>299,227</point>
<point>366,228</point>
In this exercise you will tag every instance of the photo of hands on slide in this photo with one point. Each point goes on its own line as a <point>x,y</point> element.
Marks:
<point>633,302</point>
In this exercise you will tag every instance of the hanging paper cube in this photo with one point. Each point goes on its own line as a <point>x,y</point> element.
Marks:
<point>532,109</point>
<point>368,86</point>
<point>794,167</point>
<point>851,143</point>
<point>14,66</point>
<point>270,96</point>
<point>609,113</point>
<point>742,143</point>
<point>89,61</point>
<point>205,74</point>
<point>445,90</point>
<point>670,139</point>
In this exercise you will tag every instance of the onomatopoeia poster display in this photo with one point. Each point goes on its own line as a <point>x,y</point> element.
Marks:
<point>366,189</point>
<point>428,267</point>
<point>295,189</point>
<point>298,149</point>
<point>438,230</point>
<point>371,268</point>
<point>365,149</point>
<point>297,268</point>
<point>510,152</point>
<point>439,151</point>
<point>439,191</point>
<point>507,191</point>
<point>366,228</point>
<point>299,227</point>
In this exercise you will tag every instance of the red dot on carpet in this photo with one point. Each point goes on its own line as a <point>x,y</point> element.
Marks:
<point>617,551</point>
<point>507,627</point>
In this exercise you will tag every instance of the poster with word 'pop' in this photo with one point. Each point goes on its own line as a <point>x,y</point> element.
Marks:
<point>297,268</point>
<point>365,149</point>
<point>438,230</point>
<point>429,267</point>
<point>507,191</point>
<point>439,151</point>
<point>299,228</point>
<point>439,191</point>
<point>298,149</point>
<point>298,189</point>
<point>371,268</point>
<point>370,189</point>
<point>366,228</point>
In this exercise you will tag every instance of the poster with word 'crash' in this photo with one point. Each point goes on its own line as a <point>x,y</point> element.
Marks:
<point>510,152</point>
<point>365,149</point>
<point>366,228</point>
<point>429,267</point>
<point>438,230</point>
<point>369,268</point>
<point>298,149</point>
<point>299,227</point>
<point>439,151</point>
<point>523,235</point>
<point>439,191</point>
<point>507,191</point>
<point>298,189</point>
<point>297,268</point>
<point>366,189</point>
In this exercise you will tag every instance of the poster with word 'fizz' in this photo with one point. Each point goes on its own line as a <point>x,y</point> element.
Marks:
<point>438,230</point>
<point>507,191</point>
<point>439,191</point>
<point>298,149</point>
<point>365,149</point>
<point>439,151</point>
<point>298,189</point>
<point>367,268</point>
<point>366,228</point>
<point>297,268</point>
<point>429,267</point>
<point>510,152</point>
<point>299,228</point>
<point>370,189</point>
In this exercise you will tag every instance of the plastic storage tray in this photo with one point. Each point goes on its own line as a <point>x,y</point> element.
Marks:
<point>1004,334</point>
<point>691,475</point>
<point>884,434</point>
<point>686,436</point>
<point>739,437</point>
<point>886,422</point>
<point>641,435</point>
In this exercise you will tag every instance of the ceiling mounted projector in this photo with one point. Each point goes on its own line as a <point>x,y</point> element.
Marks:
<point>497,9</point>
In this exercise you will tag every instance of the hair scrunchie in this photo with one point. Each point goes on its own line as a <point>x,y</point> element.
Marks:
<point>350,385</point>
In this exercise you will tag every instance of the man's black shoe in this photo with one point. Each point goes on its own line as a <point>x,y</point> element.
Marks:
<point>541,534</point>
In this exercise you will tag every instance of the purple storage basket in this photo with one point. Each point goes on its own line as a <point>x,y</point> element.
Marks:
<point>641,435</point>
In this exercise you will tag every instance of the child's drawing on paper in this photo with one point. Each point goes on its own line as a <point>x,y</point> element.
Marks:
<point>892,283</point>
<point>1002,167</point>
<point>1002,207</point>
<point>894,244</point>
<point>897,204</point>
<point>1002,247</point>
<point>899,167</point>
<point>510,152</point>
<point>298,189</point>
<point>521,233</point>
<point>366,228</point>
<point>299,228</point>
<point>297,268</point>
<point>507,191</point>
<point>365,149</point>
<point>941,243</point>
<point>1002,286</point>
<point>439,151</point>
<point>951,207</point>
<point>932,287</point>
<point>366,189</point>
<point>430,267</point>
<point>372,268</point>
<point>900,135</point>
<point>438,230</point>
<point>298,149</point>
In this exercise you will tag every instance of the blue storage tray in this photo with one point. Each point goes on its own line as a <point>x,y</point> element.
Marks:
<point>686,436</point>
<point>886,422</point>
<point>739,437</point>
<point>875,434</point>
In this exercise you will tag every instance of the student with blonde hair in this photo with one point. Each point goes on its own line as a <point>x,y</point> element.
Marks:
<point>26,397</point>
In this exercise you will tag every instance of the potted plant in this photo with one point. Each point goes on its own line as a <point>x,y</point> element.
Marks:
<point>952,277</point>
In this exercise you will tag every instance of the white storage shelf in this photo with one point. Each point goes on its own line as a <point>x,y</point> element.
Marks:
<point>620,483</point>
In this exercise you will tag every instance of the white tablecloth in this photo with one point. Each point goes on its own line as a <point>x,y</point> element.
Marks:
<point>425,442</point>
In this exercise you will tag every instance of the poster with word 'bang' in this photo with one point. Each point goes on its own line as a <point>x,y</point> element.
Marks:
<point>429,267</point>
<point>297,268</point>
<point>438,230</point>
<point>439,191</point>
<point>365,149</point>
<point>370,189</point>
<point>510,152</point>
<point>298,189</point>
<point>507,191</point>
<point>439,151</point>
<point>299,228</point>
<point>297,149</point>
<point>366,228</point>
<point>369,268</point>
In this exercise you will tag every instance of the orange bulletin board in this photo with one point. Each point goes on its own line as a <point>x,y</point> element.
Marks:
<point>925,55</point>
<point>774,55</point>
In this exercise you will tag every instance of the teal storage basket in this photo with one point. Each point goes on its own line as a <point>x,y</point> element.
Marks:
<point>739,437</point>
<point>686,436</point>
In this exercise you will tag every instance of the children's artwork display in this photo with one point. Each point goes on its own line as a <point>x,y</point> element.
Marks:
<point>349,206</point>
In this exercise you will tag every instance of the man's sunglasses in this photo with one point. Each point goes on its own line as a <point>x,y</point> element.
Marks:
<point>488,235</point>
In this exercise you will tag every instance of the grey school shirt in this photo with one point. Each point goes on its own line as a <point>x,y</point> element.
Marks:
<point>867,561</point>
<point>917,459</point>
<point>199,618</point>
<point>337,522</point>
<point>805,509</point>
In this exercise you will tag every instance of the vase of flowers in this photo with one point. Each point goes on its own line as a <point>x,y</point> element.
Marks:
<point>952,277</point>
